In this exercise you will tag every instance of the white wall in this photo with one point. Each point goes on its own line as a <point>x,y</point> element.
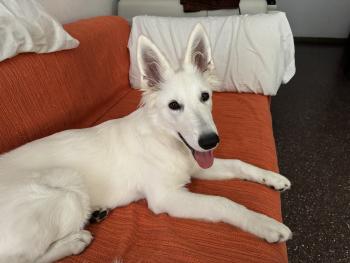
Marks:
<point>317,18</point>
<point>67,11</point>
<point>308,18</point>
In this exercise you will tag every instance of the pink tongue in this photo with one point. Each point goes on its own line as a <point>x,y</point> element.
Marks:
<point>204,159</point>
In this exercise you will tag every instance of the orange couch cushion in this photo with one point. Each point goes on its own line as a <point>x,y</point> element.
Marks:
<point>43,94</point>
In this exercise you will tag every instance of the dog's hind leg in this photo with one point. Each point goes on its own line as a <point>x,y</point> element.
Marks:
<point>71,213</point>
<point>224,169</point>
<point>43,214</point>
<point>72,244</point>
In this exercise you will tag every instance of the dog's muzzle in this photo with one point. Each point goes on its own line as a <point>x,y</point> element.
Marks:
<point>204,159</point>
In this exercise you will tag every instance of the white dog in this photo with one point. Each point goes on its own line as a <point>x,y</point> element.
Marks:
<point>49,187</point>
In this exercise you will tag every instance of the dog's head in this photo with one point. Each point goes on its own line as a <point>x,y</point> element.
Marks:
<point>180,100</point>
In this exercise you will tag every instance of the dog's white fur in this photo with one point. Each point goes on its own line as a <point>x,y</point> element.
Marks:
<point>48,187</point>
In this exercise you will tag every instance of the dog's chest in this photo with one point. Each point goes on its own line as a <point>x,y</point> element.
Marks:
<point>124,177</point>
<point>169,161</point>
<point>134,160</point>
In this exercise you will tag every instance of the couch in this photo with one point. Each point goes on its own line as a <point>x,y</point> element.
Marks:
<point>48,93</point>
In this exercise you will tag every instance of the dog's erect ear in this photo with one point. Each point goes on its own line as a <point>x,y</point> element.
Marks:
<point>152,64</point>
<point>198,52</point>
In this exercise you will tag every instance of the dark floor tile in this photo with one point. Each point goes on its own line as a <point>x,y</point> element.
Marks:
<point>312,130</point>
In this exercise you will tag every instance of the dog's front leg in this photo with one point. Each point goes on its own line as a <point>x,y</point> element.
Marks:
<point>224,169</point>
<point>184,204</point>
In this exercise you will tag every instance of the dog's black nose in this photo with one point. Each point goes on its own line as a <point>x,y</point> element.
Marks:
<point>208,141</point>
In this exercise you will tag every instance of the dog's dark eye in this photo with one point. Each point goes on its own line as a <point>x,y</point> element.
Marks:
<point>204,96</point>
<point>174,105</point>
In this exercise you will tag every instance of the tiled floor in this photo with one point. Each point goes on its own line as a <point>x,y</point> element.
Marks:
<point>312,130</point>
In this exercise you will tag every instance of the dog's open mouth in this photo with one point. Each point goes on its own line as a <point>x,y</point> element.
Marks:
<point>204,159</point>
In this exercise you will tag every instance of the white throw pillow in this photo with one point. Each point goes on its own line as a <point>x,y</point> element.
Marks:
<point>26,27</point>
<point>251,53</point>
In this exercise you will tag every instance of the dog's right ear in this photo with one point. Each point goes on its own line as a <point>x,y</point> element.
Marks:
<point>198,52</point>
<point>153,65</point>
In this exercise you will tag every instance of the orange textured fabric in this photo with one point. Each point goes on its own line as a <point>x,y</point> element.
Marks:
<point>42,94</point>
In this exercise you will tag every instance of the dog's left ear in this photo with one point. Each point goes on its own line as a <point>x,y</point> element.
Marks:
<point>198,52</point>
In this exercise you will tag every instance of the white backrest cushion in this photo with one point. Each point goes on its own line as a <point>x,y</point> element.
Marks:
<point>252,53</point>
<point>26,27</point>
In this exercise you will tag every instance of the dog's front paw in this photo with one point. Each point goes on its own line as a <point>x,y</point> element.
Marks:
<point>270,229</point>
<point>276,181</point>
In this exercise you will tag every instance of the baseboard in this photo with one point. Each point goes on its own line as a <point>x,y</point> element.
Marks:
<point>320,40</point>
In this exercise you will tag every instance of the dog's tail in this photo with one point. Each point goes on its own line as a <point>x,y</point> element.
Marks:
<point>43,207</point>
